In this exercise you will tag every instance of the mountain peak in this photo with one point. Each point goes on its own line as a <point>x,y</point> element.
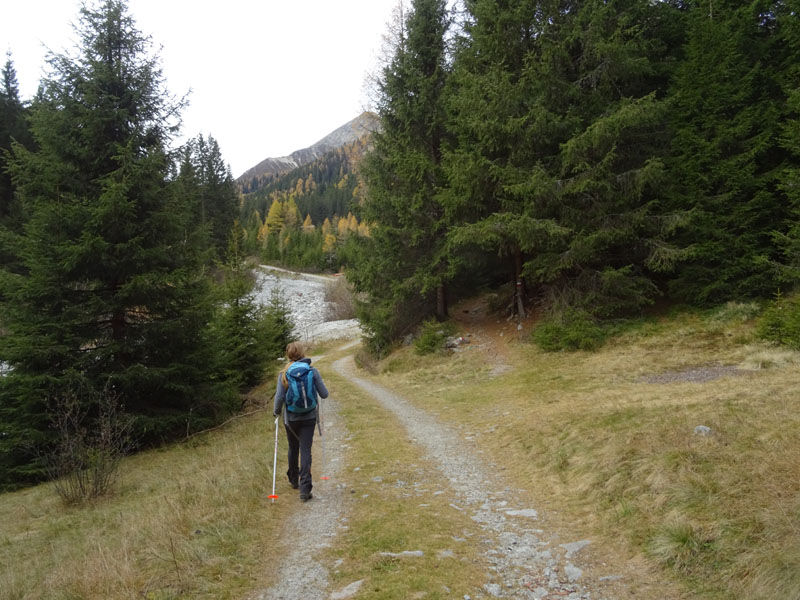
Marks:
<point>351,131</point>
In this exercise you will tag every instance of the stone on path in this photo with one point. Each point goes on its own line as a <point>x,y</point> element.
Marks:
<point>404,554</point>
<point>575,547</point>
<point>347,592</point>
<point>573,572</point>
<point>526,512</point>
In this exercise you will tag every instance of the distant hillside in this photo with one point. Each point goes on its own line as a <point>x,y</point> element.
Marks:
<point>347,133</point>
<point>323,188</point>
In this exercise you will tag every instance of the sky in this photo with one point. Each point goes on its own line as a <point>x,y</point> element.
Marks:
<point>267,77</point>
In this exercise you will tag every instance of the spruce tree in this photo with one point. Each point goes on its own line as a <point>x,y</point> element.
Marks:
<point>727,104</point>
<point>560,126</point>
<point>114,291</point>
<point>218,196</point>
<point>13,130</point>
<point>405,263</point>
<point>502,136</point>
<point>788,25</point>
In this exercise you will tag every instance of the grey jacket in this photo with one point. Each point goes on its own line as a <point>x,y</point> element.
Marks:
<point>280,396</point>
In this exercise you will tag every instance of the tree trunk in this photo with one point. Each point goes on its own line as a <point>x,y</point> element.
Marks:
<point>520,293</point>
<point>441,302</point>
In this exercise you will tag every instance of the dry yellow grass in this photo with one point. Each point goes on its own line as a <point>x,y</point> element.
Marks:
<point>188,521</point>
<point>618,457</point>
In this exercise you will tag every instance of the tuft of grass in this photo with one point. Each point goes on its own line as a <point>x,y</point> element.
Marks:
<point>571,330</point>
<point>758,357</point>
<point>679,545</point>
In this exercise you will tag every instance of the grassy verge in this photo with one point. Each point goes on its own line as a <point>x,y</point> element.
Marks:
<point>192,520</point>
<point>400,503</point>
<point>618,457</point>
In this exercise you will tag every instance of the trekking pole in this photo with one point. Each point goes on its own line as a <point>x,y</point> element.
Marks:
<point>321,435</point>
<point>274,462</point>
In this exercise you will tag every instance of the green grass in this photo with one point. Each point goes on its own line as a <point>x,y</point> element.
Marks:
<point>394,514</point>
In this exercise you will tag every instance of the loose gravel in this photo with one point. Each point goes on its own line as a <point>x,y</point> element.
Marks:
<point>305,298</point>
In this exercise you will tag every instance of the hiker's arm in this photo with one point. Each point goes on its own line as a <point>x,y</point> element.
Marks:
<point>320,385</point>
<point>280,394</point>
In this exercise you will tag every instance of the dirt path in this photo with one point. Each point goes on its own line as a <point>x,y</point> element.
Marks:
<point>524,562</point>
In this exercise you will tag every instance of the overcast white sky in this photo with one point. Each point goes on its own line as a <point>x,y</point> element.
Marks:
<point>268,77</point>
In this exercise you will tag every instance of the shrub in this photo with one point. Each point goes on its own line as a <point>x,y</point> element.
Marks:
<point>573,329</point>
<point>85,459</point>
<point>432,337</point>
<point>781,321</point>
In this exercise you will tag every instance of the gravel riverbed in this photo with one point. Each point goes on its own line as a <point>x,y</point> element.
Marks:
<point>304,294</point>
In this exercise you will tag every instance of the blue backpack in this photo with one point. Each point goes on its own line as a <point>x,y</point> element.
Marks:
<point>301,395</point>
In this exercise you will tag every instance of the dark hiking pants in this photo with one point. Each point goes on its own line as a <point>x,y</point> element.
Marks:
<point>300,435</point>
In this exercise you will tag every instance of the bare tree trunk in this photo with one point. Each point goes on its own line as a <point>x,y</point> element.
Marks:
<point>441,302</point>
<point>520,293</point>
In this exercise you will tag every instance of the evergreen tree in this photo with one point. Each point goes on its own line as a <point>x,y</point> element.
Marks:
<point>504,136</point>
<point>790,139</point>
<point>728,99</point>
<point>560,126</point>
<point>405,261</point>
<point>218,196</point>
<point>249,334</point>
<point>115,291</point>
<point>13,129</point>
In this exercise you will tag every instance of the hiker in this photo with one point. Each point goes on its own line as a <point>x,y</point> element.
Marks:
<point>300,416</point>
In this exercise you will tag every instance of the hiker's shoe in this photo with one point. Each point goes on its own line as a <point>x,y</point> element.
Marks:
<point>295,485</point>
<point>306,497</point>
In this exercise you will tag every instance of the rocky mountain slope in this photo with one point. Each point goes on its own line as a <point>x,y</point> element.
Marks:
<point>362,125</point>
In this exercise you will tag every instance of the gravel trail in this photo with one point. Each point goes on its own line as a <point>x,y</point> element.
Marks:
<point>524,563</point>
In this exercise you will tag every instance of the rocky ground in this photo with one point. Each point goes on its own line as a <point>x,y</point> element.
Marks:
<point>305,296</point>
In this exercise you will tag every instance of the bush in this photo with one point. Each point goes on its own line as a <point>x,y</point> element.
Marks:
<point>432,337</point>
<point>571,330</point>
<point>85,460</point>
<point>781,321</point>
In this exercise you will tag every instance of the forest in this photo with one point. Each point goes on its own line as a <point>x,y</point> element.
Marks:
<point>304,219</point>
<point>127,318</point>
<point>599,157</point>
